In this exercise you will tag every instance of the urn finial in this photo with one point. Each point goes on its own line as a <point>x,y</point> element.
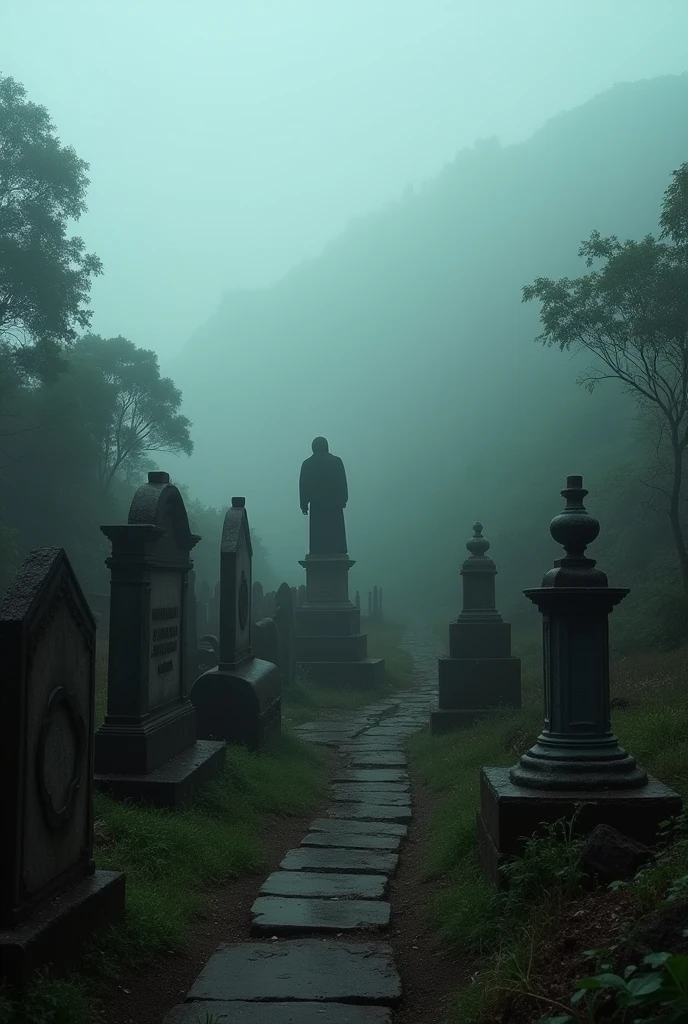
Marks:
<point>478,545</point>
<point>574,528</point>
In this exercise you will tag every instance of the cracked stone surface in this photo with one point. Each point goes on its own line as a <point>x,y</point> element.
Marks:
<point>358,794</point>
<point>370,812</point>
<point>338,859</point>
<point>382,759</point>
<point>275,915</point>
<point>315,884</point>
<point>307,970</point>
<point>358,841</point>
<point>370,828</point>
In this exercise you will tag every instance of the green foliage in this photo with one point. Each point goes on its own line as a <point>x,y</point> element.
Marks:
<point>47,1001</point>
<point>171,858</point>
<point>45,276</point>
<point>655,993</point>
<point>131,410</point>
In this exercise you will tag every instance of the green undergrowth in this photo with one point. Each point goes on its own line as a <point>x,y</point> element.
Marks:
<point>468,915</point>
<point>307,700</point>
<point>172,861</point>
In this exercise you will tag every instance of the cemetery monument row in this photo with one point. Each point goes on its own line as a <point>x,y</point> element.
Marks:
<point>479,672</point>
<point>330,646</point>
<point>239,700</point>
<point>51,897</point>
<point>577,759</point>
<point>147,748</point>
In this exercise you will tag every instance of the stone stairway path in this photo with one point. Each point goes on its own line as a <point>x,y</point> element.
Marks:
<point>319,915</point>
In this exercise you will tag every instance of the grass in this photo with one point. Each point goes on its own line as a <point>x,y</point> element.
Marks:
<point>307,700</point>
<point>468,915</point>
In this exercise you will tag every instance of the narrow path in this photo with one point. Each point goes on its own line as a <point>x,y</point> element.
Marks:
<point>320,915</point>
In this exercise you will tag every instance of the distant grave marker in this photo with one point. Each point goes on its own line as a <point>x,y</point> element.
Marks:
<point>239,700</point>
<point>51,898</point>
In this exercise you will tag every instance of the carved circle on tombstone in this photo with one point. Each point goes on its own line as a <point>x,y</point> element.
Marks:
<point>60,754</point>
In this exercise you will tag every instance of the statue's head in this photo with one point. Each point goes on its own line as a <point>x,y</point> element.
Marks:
<point>320,446</point>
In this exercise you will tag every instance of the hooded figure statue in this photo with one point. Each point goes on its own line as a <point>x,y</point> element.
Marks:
<point>324,493</point>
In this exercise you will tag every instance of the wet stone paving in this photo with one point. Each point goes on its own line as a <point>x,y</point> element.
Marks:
<point>321,915</point>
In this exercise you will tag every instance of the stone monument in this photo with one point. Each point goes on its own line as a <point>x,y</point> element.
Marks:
<point>146,748</point>
<point>330,646</point>
<point>51,898</point>
<point>479,673</point>
<point>285,619</point>
<point>240,699</point>
<point>577,759</point>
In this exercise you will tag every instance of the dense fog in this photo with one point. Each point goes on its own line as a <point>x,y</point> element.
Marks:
<point>320,218</point>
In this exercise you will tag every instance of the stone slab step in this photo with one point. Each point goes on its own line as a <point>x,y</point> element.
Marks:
<point>378,759</point>
<point>357,795</point>
<point>323,885</point>
<point>348,827</point>
<point>385,788</point>
<point>372,775</point>
<point>275,915</point>
<point>277,1013</point>
<point>338,859</point>
<point>307,970</point>
<point>370,812</point>
<point>357,841</point>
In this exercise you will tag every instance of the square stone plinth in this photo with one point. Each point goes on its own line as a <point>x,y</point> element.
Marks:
<point>509,814</point>
<point>332,648</point>
<point>367,674</point>
<point>442,721</point>
<point>58,930</point>
<point>175,783</point>
<point>466,683</point>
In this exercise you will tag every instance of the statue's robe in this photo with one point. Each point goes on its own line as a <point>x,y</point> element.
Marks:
<point>323,490</point>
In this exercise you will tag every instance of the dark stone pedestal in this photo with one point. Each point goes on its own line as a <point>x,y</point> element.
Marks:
<point>240,704</point>
<point>450,719</point>
<point>509,812</point>
<point>174,783</point>
<point>468,687</point>
<point>330,648</point>
<point>56,933</point>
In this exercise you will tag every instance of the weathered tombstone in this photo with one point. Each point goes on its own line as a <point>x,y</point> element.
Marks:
<point>265,641</point>
<point>376,607</point>
<point>214,611</point>
<point>258,605</point>
<point>479,673</point>
<point>577,762</point>
<point>51,898</point>
<point>285,618</point>
<point>146,748</point>
<point>239,700</point>
<point>301,596</point>
<point>269,603</point>
<point>208,653</point>
<point>330,645</point>
<point>294,595</point>
<point>370,604</point>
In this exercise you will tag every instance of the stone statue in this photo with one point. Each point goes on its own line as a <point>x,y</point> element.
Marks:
<point>323,491</point>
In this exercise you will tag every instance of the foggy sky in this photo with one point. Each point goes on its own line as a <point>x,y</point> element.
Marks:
<point>229,141</point>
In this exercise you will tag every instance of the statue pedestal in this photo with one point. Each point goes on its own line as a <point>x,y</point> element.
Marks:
<point>330,648</point>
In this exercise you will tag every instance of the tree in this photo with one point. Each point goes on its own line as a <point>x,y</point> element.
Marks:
<point>131,410</point>
<point>631,316</point>
<point>45,276</point>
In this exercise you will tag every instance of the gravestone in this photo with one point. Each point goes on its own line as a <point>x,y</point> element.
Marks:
<point>577,763</point>
<point>285,619</point>
<point>239,700</point>
<point>214,611</point>
<point>357,601</point>
<point>258,605</point>
<point>51,898</point>
<point>265,641</point>
<point>202,599</point>
<point>147,748</point>
<point>208,654</point>
<point>301,595</point>
<point>479,674</point>
<point>331,649</point>
<point>191,631</point>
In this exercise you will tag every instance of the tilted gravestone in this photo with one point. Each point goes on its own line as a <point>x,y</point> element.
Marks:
<point>577,766</point>
<point>147,748</point>
<point>479,673</point>
<point>51,898</point>
<point>285,618</point>
<point>239,700</point>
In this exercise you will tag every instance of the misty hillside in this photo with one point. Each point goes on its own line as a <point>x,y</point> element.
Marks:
<point>405,342</point>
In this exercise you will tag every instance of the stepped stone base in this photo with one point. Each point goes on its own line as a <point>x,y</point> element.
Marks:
<point>175,783</point>
<point>508,813</point>
<point>59,929</point>
<point>356,675</point>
